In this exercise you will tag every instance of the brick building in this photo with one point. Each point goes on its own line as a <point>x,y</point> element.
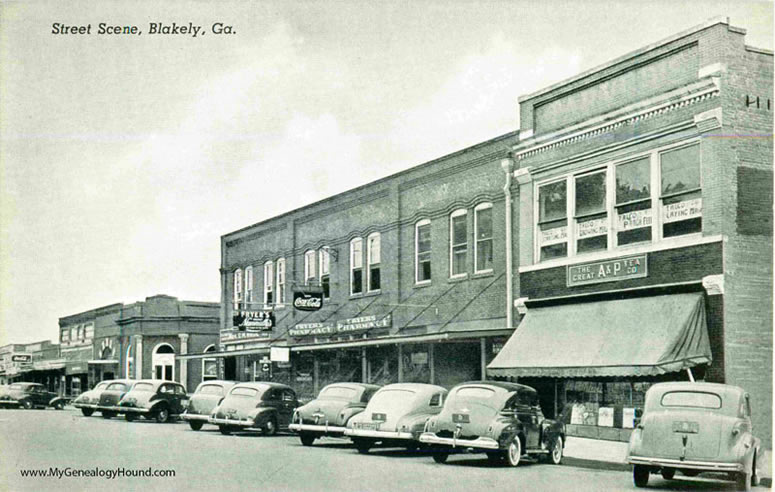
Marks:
<point>645,230</point>
<point>411,269</point>
<point>139,340</point>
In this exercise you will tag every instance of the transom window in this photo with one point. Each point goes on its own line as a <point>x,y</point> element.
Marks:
<point>373,254</point>
<point>483,243</point>
<point>268,281</point>
<point>458,243</point>
<point>422,256</point>
<point>356,266</point>
<point>612,206</point>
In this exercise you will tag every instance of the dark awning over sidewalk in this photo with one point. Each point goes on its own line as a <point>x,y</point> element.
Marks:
<point>627,337</point>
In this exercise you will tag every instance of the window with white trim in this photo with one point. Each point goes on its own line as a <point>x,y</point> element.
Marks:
<point>237,288</point>
<point>268,281</point>
<point>324,267</point>
<point>309,266</point>
<point>613,206</point>
<point>280,283</point>
<point>483,242</point>
<point>373,255</point>
<point>356,266</point>
<point>422,251</point>
<point>458,243</point>
<point>65,336</point>
<point>209,366</point>
<point>249,285</point>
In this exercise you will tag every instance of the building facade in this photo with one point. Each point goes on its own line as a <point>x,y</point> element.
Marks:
<point>645,230</point>
<point>137,341</point>
<point>410,272</point>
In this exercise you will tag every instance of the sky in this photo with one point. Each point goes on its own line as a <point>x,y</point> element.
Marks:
<point>125,158</point>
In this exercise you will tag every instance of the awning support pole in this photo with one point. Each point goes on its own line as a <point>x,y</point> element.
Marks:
<point>691,376</point>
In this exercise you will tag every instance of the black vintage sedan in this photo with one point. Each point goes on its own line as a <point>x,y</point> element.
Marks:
<point>206,397</point>
<point>31,395</point>
<point>153,399</point>
<point>328,414</point>
<point>503,420</point>
<point>261,405</point>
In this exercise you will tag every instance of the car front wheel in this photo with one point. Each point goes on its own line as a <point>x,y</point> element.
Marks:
<point>225,429</point>
<point>59,406</point>
<point>87,412</point>
<point>162,415</point>
<point>270,427</point>
<point>362,445</point>
<point>130,417</point>
<point>27,404</point>
<point>307,439</point>
<point>514,452</point>
<point>440,456</point>
<point>668,473</point>
<point>195,425</point>
<point>555,456</point>
<point>640,475</point>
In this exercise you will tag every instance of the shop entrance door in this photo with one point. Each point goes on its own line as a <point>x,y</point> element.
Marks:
<point>230,368</point>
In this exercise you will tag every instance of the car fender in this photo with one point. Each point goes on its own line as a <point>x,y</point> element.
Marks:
<point>261,414</point>
<point>155,404</point>
<point>347,413</point>
<point>58,399</point>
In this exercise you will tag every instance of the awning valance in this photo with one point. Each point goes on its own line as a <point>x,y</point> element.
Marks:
<point>626,337</point>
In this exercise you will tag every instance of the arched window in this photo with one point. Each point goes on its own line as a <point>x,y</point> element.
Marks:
<point>356,266</point>
<point>458,243</point>
<point>209,366</point>
<point>237,288</point>
<point>163,362</point>
<point>422,251</point>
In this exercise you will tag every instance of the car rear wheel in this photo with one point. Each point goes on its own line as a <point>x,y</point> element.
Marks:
<point>27,404</point>
<point>225,429</point>
<point>162,415</point>
<point>270,427</point>
<point>668,473</point>
<point>195,424</point>
<point>362,445</point>
<point>640,475</point>
<point>59,405</point>
<point>555,456</point>
<point>108,415</point>
<point>514,452</point>
<point>440,456</point>
<point>130,417</point>
<point>87,412</point>
<point>307,439</point>
<point>690,473</point>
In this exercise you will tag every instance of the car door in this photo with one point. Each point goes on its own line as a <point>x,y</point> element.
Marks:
<point>526,413</point>
<point>286,406</point>
<point>181,399</point>
<point>39,395</point>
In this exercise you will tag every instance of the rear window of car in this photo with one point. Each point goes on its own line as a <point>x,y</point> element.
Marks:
<point>475,392</point>
<point>117,387</point>
<point>392,400</point>
<point>244,392</point>
<point>101,386</point>
<point>338,392</point>
<point>211,389</point>
<point>693,399</point>
<point>143,387</point>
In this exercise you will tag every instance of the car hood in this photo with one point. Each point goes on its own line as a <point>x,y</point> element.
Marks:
<point>473,417</point>
<point>324,410</point>
<point>237,407</point>
<point>203,404</point>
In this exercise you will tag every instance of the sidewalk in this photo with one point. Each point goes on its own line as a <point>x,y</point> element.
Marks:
<point>611,455</point>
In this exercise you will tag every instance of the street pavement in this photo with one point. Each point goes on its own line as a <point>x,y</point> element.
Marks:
<point>207,460</point>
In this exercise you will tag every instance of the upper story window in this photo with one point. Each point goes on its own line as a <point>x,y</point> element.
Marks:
<point>309,266</point>
<point>422,251</point>
<point>249,284</point>
<point>356,266</point>
<point>458,243</point>
<point>237,287</point>
<point>373,255</point>
<point>65,336</point>
<point>268,281</point>
<point>614,206</point>
<point>483,243</point>
<point>280,281</point>
<point>324,267</point>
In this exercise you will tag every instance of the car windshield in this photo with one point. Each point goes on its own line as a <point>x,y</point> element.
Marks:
<point>143,387</point>
<point>338,393</point>
<point>211,389</point>
<point>244,392</point>
<point>101,386</point>
<point>392,400</point>
<point>694,399</point>
<point>117,387</point>
<point>16,387</point>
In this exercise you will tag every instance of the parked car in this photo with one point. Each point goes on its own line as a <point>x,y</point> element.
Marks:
<point>501,419</point>
<point>107,404</point>
<point>31,395</point>
<point>260,405</point>
<point>328,414</point>
<point>206,397</point>
<point>695,427</point>
<point>153,399</point>
<point>395,416</point>
<point>87,401</point>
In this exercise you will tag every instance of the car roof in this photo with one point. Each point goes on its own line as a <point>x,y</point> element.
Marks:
<point>499,384</point>
<point>125,381</point>
<point>423,387</point>
<point>217,381</point>
<point>25,383</point>
<point>353,385</point>
<point>727,390</point>
<point>157,382</point>
<point>262,385</point>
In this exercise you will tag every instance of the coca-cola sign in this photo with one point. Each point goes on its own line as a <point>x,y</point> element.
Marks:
<point>308,301</point>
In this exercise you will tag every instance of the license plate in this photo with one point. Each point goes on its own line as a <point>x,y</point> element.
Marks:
<point>686,427</point>
<point>460,418</point>
<point>380,417</point>
<point>370,426</point>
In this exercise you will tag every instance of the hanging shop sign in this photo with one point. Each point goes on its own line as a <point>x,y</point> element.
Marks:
<point>312,329</point>
<point>239,334</point>
<point>254,320</point>
<point>363,323</point>
<point>308,301</point>
<point>21,358</point>
<point>607,271</point>
<point>279,354</point>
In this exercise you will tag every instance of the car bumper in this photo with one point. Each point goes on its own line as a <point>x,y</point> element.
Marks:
<point>231,422</point>
<point>691,465</point>
<point>325,429</point>
<point>130,410</point>
<point>480,443</point>
<point>377,434</point>
<point>195,416</point>
<point>85,405</point>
